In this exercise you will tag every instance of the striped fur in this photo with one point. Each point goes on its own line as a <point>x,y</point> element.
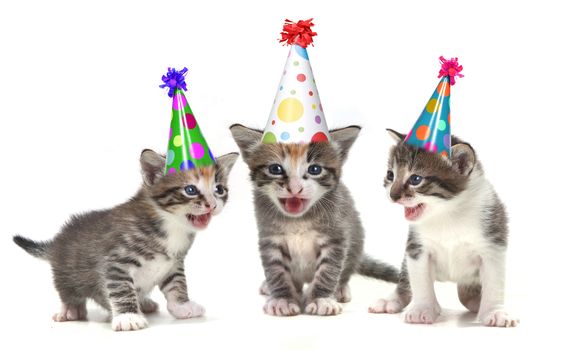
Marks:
<point>117,256</point>
<point>322,245</point>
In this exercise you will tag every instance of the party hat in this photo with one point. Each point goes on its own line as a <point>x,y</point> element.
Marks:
<point>297,115</point>
<point>187,147</point>
<point>432,131</point>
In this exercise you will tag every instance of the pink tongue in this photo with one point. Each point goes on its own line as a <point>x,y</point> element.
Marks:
<point>411,212</point>
<point>294,205</point>
<point>203,220</point>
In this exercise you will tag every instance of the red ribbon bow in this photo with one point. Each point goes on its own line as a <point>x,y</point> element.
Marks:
<point>298,33</point>
<point>450,68</point>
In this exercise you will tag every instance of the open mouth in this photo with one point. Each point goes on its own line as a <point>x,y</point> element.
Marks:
<point>199,221</point>
<point>293,205</point>
<point>413,213</point>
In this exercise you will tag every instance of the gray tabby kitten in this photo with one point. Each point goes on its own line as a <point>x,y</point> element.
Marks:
<point>117,256</point>
<point>457,232</point>
<point>309,230</point>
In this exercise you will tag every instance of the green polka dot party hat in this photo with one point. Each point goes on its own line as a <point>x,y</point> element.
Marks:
<point>187,147</point>
<point>432,131</point>
<point>297,115</point>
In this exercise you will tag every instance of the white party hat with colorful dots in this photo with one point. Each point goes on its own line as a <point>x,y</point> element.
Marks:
<point>297,115</point>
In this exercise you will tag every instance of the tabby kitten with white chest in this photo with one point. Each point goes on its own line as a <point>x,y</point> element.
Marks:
<point>117,256</point>
<point>309,230</point>
<point>458,231</point>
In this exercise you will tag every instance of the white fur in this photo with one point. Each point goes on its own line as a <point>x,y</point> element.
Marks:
<point>324,307</point>
<point>281,307</point>
<point>128,322</point>
<point>301,242</point>
<point>189,309</point>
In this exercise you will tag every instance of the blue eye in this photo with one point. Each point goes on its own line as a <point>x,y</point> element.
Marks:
<point>219,189</point>
<point>191,190</point>
<point>415,180</point>
<point>314,169</point>
<point>390,175</point>
<point>276,169</point>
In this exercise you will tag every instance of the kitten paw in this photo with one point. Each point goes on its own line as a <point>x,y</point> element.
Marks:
<point>281,307</point>
<point>71,313</point>
<point>343,294</point>
<point>189,309</point>
<point>497,318</point>
<point>148,306</point>
<point>426,314</point>
<point>264,290</point>
<point>324,307</point>
<point>389,306</point>
<point>128,322</point>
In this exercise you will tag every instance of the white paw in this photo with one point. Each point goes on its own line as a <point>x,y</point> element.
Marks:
<point>389,306</point>
<point>281,307</point>
<point>189,309</point>
<point>264,290</point>
<point>426,314</point>
<point>497,318</point>
<point>324,307</point>
<point>128,322</point>
<point>343,294</point>
<point>148,306</point>
<point>70,313</point>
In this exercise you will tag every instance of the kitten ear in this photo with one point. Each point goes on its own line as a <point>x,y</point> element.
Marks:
<point>226,162</point>
<point>152,166</point>
<point>345,138</point>
<point>246,138</point>
<point>463,158</point>
<point>395,135</point>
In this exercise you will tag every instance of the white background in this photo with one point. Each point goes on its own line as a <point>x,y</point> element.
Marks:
<point>79,100</point>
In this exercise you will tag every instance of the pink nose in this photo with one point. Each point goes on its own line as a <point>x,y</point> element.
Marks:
<point>295,186</point>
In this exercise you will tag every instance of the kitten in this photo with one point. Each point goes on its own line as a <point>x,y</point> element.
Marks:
<point>117,256</point>
<point>309,230</point>
<point>457,232</point>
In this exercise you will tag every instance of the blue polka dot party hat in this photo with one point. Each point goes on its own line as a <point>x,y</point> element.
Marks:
<point>187,147</point>
<point>297,115</point>
<point>432,131</point>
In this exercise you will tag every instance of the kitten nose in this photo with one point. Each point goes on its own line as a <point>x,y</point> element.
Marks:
<point>294,186</point>
<point>396,195</point>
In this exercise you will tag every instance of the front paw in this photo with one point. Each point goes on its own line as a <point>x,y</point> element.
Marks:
<point>343,294</point>
<point>281,307</point>
<point>497,318</point>
<point>323,307</point>
<point>189,309</point>
<point>389,306</point>
<point>128,322</point>
<point>426,314</point>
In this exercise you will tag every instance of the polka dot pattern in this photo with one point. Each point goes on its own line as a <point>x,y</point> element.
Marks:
<point>290,110</point>
<point>187,147</point>
<point>196,150</point>
<point>432,131</point>
<point>296,115</point>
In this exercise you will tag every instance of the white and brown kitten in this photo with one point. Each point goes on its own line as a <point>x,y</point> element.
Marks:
<point>117,256</point>
<point>309,230</point>
<point>457,232</point>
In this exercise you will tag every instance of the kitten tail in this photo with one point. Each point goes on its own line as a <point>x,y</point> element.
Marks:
<point>36,249</point>
<point>370,267</point>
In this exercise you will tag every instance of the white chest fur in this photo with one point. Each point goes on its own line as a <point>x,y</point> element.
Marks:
<point>152,272</point>
<point>301,242</point>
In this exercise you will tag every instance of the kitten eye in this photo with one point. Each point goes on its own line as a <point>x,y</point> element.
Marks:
<point>191,190</point>
<point>390,175</point>
<point>314,170</point>
<point>219,189</point>
<point>276,169</point>
<point>415,180</point>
